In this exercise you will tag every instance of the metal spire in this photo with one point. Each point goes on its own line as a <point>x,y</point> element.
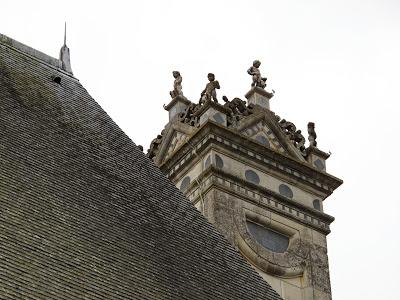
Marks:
<point>64,53</point>
<point>65,33</point>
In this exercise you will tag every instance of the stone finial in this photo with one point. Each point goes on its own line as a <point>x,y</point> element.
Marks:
<point>209,92</point>
<point>64,54</point>
<point>312,136</point>
<point>254,71</point>
<point>177,85</point>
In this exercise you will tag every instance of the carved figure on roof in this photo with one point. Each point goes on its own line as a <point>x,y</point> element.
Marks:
<point>229,105</point>
<point>312,136</point>
<point>237,108</point>
<point>209,92</point>
<point>299,140</point>
<point>187,116</point>
<point>294,135</point>
<point>177,85</point>
<point>241,106</point>
<point>233,115</point>
<point>258,80</point>
<point>288,127</point>
<point>152,152</point>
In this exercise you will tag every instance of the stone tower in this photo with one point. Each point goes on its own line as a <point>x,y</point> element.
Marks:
<point>249,172</point>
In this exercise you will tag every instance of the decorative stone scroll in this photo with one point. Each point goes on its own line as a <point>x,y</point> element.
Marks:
<point>294,135</point>
<point>188,116</point>
<point>237,109</point>
<point>154,145</point>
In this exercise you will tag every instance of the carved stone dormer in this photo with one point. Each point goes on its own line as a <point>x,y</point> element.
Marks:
<point>250,174</point>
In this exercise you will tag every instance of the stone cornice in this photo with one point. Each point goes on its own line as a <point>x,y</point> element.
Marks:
<point>260,91</point>
<point>213,177</point>
<point>211,132</point>
<point>175,100</point>
<point>317,151</point>
<point>212,104</point>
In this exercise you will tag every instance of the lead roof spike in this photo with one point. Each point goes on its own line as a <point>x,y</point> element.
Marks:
<point>65,33</point>
<point>64,53</point>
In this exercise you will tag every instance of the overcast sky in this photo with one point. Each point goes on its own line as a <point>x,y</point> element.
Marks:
<point>332,62</point>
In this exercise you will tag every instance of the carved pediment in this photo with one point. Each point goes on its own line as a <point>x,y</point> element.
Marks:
<point>281,134</point>
<point>264,135</point>
<point>173,138</point>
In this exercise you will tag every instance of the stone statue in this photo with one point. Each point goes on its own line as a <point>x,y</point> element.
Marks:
<point>254,71</point>
<point>232,116</point>
<point>294,135</point>
<point>152,152</point>
<point>177,85</point>
<point>209,92</point>
<point>237,106</point>
<point>312,136</point>
<point>241,106</point>
<point>188,116</point>
<point>229,105</point>
<point>237,109</point>
<point>299,141</point>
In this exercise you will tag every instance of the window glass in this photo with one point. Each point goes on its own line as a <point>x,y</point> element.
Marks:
<point>268,238</point>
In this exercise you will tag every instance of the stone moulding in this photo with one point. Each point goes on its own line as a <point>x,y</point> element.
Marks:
<point>213,133</point>
<point>211,104</point>
<point>283,265</point>
<point>214,177</point>
<point>175,100</point>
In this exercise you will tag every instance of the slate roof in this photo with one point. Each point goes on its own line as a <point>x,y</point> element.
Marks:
<point>84,214</point>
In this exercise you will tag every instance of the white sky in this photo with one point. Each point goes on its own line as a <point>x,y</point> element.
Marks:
<point>332,62</point>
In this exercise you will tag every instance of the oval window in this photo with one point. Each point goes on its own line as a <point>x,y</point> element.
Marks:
<point>252,176</point>
<point>317,204</point>
<point>286,191</point>
<point>208,162</point>
<point>185,183</point>
<point>319,164</point>
<point>219,161</point>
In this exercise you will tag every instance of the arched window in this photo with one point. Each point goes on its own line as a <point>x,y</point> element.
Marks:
<point>185,183</point>
<point>219,161</point>
<point>268,238</point>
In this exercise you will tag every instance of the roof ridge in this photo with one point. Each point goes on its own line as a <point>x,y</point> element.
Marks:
<point>31,52</point>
